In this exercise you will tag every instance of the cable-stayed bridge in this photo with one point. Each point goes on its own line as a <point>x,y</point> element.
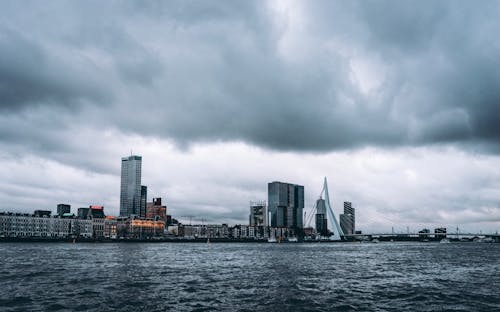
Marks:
<point>338,234</point>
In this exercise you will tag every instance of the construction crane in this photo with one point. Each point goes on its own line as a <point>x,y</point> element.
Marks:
<point>192,218</point>
<point>189,217</point>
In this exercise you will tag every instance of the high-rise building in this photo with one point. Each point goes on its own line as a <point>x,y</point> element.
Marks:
<point>285,203</point>
<point>258,213</point>
<point>144,199</point>
<point>130,189</point>
<point>348,219</point>
<point>62,209</point>
<point>321,219</point>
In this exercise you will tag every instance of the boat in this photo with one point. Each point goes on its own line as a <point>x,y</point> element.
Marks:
<point>272,240</point>
<point>444,241</point>
<point>292,239</point>
<point>483,240</point>
<point>375,241</point>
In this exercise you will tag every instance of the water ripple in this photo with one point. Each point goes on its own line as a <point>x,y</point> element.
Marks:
<point>249,277</point>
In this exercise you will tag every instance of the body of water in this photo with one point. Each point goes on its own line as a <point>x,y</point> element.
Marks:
<point>249,277</point>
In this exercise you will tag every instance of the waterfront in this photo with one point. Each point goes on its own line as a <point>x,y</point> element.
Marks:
<point>326,277</point>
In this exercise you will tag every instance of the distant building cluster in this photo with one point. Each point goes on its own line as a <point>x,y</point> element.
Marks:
<point>41,224</point>
<point>280,218</point>
<point>88,223</point>
<point>223,231</point>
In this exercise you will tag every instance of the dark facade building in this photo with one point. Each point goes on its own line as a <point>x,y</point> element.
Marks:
<point>130,187</point>
<point>258,213</point>
<point>286,203</point>
<point>424,233</point>
<point>348,219</point>
<point>62,209</point>
<point>96,212</point>
<point>144,198</point>
<point>440,232</point>
<point>156,211</point>
<point>42,213</point>
<point>83,213</point>
<point>321,218</point>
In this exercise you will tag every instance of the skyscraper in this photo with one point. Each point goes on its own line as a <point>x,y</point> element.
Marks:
<point>286,202</point>
<point>321,219</point>
<point>347,219</point>
<point>130,190</point>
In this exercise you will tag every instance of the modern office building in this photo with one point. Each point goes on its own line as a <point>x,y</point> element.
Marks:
<point>62,209</point>
<point>144,199</point>
<point>285,204</point>
<point>130,189</point>
<point>348,219</point>
<point>321,218</point>
<point>258,213</point>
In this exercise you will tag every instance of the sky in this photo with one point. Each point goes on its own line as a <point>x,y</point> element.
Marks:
<point>397,103</point>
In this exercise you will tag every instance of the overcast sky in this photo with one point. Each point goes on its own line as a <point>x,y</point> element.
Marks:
<point>396,103</point>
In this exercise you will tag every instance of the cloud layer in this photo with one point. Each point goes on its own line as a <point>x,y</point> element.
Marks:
<point>289,76</point>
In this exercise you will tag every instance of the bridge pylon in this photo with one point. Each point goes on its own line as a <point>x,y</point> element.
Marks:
<point>333,224</point>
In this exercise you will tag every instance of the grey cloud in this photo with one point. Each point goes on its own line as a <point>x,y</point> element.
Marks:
<point>193,72</point>
<point>436,91</point>
<point>30,76</point>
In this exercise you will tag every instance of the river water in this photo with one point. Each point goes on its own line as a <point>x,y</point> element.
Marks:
<point>249,277</point>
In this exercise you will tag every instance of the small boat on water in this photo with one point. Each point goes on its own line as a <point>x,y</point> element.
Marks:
<point>292,239</point>
<point>272,240</point>
<point>375,241</point>
<point>444,241</point>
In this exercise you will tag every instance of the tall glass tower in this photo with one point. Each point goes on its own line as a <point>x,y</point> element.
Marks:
<point>130,190</point>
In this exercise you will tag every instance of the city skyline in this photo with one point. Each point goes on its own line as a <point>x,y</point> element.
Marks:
<point>221,99</point>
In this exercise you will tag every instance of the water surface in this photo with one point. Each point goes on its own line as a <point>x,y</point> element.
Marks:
<point>249,277</point>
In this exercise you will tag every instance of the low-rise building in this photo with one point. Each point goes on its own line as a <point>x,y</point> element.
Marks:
<point>142,228</point>
<point>110,228</point>
<point>23,225</point>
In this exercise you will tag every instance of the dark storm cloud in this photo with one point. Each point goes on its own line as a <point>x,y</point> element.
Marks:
<point>441,78</point>
<point>243,71</point>
<point>30,76</point>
